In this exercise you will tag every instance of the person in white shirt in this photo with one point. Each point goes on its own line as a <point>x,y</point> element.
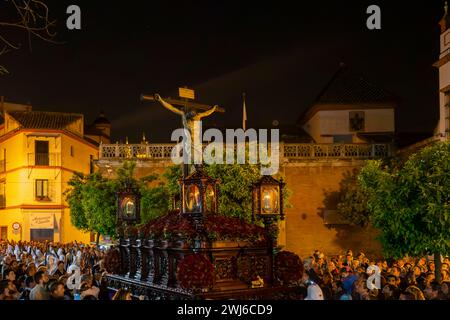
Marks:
<point>314,292</point>
<point>39,292</point>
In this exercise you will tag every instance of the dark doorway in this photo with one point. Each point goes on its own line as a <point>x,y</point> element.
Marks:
<point>41,153</point>
<point>41,234</point>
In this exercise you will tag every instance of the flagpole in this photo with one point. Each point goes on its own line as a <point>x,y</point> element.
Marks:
<point>244,112</point>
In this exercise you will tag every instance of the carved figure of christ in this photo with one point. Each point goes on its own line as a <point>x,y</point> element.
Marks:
<point>192,123</point>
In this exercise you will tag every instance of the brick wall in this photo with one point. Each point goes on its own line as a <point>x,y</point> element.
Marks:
<point>311,183</point>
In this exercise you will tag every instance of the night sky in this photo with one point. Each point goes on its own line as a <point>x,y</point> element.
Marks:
<point>279,53</point>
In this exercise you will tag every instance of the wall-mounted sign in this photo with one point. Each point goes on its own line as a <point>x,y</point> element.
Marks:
<point>16,226</point>
<point>42,221</point>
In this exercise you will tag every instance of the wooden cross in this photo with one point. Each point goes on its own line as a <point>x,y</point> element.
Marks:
<point>183,103</point>
<point>188,107</point>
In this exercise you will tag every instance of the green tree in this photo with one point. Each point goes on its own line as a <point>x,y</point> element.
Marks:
<point>235,196</point>
<point>411,205</point>
<point>352,200</point>
<point>99,204</point>
<point>73,196</point>
<point>155,202</point>
<point>93,203</point>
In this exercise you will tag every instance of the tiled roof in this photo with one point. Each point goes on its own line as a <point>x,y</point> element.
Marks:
<point>44,120</point>
<point>345,87</point>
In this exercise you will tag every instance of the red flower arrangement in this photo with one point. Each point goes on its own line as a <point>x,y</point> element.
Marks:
<point>228,228</point>
<point>246,269</point>
<point>288,267</point>
<point>218,227</point>
<point>169,226</point>
<point>195,272</point>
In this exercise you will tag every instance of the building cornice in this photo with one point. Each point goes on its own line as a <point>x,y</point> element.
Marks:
<point>37,207</point>
<point>38,167</point>
<point>344,106</point>
<point>67,133</point>
<point>442,61</point>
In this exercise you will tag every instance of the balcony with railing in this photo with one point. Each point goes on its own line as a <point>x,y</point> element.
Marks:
<point>44,159</point>
<point>336,151</point>
<point>289,151</point>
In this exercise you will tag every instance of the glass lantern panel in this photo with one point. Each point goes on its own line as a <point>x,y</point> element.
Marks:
<point>192,198</point>
<point>269,200</point>
<point>128,207</point>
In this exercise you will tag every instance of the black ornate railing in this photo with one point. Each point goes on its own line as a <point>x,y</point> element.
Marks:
<point>153,264</point>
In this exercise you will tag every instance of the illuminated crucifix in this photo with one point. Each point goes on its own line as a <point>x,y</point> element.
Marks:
<point>190,115</point>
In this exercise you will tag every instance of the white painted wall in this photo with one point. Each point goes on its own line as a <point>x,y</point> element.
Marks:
<point>445,42</point>
<point>336,122</point>
<point>312,127</point>
<point>444,81</point>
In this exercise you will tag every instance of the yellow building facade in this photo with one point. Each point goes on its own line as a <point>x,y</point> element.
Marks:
<point>39,152</point>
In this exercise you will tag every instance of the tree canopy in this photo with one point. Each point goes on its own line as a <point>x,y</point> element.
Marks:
<point>352,199</point>
<point>410,205</point>
<point>93,204</point>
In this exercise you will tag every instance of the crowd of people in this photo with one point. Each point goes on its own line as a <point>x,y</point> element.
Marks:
<point>349,277</point>
<point>74,271</point>
<point>51,271</point>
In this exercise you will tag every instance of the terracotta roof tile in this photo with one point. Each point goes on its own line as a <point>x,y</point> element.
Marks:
<point>44,120</point>
<point>345,87</point>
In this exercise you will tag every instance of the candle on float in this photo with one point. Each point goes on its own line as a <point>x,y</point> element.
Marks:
<point>267,199</point>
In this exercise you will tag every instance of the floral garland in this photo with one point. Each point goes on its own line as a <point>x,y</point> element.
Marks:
<point>195,272</point>
<point>288,267</point>
<point>112,261</point>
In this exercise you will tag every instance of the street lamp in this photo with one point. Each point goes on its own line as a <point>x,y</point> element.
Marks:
<point>267,205</point>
